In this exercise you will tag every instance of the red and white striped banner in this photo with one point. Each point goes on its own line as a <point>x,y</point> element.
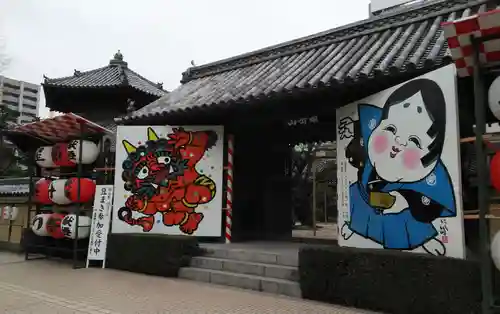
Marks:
<point>229,187</point>
<point>458,34</point>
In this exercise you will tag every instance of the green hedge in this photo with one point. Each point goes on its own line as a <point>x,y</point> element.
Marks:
<point>389,281</point>
<point>159,255</point>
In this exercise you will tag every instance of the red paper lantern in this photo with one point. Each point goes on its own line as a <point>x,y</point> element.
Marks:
<point>42,187</point>
<point>54,226</point>
<point>57,192</point>
<point>43,157</point>
<point>61,156</point>
<point>90,152</point>
<point>495,171</point>
<point>87,190</point>
<point>39,225</point>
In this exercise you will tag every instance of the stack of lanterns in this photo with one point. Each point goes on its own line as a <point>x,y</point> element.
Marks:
<point>66,154</point>
<point>64,191</point>
<point>59,226</point>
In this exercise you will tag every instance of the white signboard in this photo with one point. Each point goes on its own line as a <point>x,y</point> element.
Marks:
<point>101,217</point>
<point>399,178</point>
<point>169,180</point>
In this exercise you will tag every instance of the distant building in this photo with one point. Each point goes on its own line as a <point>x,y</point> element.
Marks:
<point>20,96</point>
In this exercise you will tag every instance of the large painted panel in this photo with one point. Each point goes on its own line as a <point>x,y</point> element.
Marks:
<point>398,174</point>
<point>169,180</point>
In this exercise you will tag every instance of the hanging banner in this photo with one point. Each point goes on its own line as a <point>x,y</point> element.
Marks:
<point>398,173</point>
<point>101,219</point>
<point>169,180</point>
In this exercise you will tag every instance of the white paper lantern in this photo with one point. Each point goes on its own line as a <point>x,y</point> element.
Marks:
<point>494,97</point>
<point>43,157</point>
<point>39,225</point>
<point>495,250</point>
<point>13,212</point>
<point>90,151</point>
<point>9,212</point>
<point>5,212</point>
<point>57,192</point>
<point>68,226</point>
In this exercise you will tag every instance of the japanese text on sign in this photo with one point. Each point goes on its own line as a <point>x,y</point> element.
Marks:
<point>443,230</point>
<point>101,217</point>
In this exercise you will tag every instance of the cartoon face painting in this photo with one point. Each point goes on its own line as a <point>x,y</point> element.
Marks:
<point>402,185</point>
<point>150,166</point>
<point>397,148</point>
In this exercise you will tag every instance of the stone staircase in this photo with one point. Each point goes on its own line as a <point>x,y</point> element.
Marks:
<point>248,268</point>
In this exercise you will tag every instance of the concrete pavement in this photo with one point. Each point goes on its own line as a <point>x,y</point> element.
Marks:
<point>42,286</point>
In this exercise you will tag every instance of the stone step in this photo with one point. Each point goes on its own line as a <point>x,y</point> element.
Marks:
<point>284,258</point>
<point>258,283</point>
<point>250,268</point>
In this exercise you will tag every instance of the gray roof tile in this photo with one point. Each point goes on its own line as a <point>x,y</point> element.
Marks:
<point>116,73</point>
<point>380,46</point>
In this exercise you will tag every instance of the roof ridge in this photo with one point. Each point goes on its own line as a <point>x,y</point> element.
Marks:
<point>123,75</point>
<point>112,75</point>
<point>58,79</point>
<point>147,80</point>
<point>322,38</point>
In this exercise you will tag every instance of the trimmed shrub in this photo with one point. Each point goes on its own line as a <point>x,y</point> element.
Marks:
<point>390,281</point>
<point>151,254</point>
<point>61,248</point>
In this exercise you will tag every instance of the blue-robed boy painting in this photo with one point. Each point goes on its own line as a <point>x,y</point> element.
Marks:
<point>402,185</point>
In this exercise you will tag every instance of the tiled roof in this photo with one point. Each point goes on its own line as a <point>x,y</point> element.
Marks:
<point>378,47</point>
<point>116,73</point>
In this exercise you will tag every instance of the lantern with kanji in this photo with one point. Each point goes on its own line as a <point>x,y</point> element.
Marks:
<point>495,171</point>
<point>57,192</point>
<point>43,157</point>
<point>68,226</point>
<point>494,98</point>
<point>9,212</point>
<point>42,193</point>
<point>87,190</point>
<point>60,155</point>
<point>90,152</point>
<point>54,225</point>
<point>495,250</point>
<point>39,225</point>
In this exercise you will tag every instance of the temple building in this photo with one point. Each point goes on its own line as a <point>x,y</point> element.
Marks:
<point>110,89</point>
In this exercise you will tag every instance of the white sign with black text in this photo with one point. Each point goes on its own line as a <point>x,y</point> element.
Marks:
<point>101,218</point>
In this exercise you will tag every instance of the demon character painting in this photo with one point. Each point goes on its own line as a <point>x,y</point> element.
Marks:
<point>162,177</point>
<point>402,185</point>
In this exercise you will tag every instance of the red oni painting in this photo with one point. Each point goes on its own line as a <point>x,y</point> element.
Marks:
<point>170,182</point>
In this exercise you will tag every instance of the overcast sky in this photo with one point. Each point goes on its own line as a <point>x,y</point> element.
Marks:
<point>158,38</point>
